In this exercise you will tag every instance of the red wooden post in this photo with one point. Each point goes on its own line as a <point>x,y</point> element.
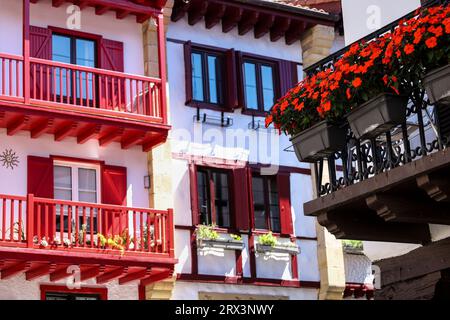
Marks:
<point>26,50</point>
<point>171,233</point>
<point>30,220</point>
<point>162,66</point>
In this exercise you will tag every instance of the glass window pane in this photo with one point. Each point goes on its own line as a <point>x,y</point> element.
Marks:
<point>274,205</point>
<point>214,79</point>
<point>62,182</point>
<point>250,85</point>
<point>267,87</point>
<point>61,52</point>
<point>203,197</point>
<point>259,203</point>
<point>85,56</point>
<point>222,201</point>
<point>87,185</point>
<point>197,77</point>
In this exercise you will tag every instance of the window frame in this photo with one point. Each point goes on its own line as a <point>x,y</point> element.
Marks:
<point>102,293</point>
<point>212,196</point>
<point>267,212</point>
<point>259,62</point>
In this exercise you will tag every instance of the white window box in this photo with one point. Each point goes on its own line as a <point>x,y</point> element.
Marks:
<point>225,244</point>
<point>292,250</point>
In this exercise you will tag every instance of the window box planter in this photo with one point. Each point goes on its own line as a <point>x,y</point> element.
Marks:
<point>292,250</point>
<point>437,85</point>
<point>221,244</point>
<point>378,115</point>
<point>319,141</point>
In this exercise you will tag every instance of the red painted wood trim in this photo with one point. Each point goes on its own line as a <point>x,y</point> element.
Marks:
<point>252,256</point>
<point>249,281</point>
<point>194,253</point>
<point>26,50</point>
<point>142,295</point>
<point>102,292</point>
<point>239,266</point>
<point>80,160</point>
<point>75,33</point>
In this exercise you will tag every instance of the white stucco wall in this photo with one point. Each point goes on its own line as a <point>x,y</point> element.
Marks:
<point>133,159</point>
<point>43,15</point>
<point>362,17</point>
<point>189,291</point>
<point>18,288</point>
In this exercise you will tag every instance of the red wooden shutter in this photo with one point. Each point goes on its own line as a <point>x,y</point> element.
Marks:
<point>40,47</point>
<point>284,194</point>
<point>188,70</point>
<point>241,198</point>
<point>114,191</point>
<point>194,194</point>
<point>288,75</point>
<point>40,184</point>
<point>240,78</point>
<point>231,80</point>
<point>111,57</point>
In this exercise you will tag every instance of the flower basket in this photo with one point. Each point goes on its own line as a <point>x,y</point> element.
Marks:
<point>437,85</point>
<point>378,115</point>
<point>221,244</point>
<point>292,250</point>
<point>319,141</point>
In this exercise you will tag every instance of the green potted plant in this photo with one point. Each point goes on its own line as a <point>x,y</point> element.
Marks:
<point>207,237</point>
<point>268,243</point>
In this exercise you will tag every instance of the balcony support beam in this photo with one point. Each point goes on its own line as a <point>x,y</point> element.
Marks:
<point>111,275</point>
<point>436,186</point>
<point>16,125</point>
<point>64,130</point>
<point>16,268</point>
<point>39,271</point>
<point>133,276</point>
<point>38,128</point>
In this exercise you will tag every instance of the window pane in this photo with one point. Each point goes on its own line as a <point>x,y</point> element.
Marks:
<point>203,197</point>
<point>85,56</point>
<point>250,84</point>
<point>87,185</point>
<point>259,203</point>
<point>268,89</point>
<point>61,52</point>
<point>214,79</point>
<point>197,77</point>
<point>62,182</point>
<point>222,201</point>
<point>274,205</point>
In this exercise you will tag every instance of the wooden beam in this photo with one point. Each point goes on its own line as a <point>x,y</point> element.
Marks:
<point>180,9</point>
<point>159,276</point>
<point>363,225</point>
<point>279,28</point>
<point>197,11</point>
<point>231,18</point>
<point>214,14</point>
<point>91,272</point>
<point>410,209</point>
<point>38,128</point>
<point>87,133</point>
<point>40,271</point>
<point>437,186</point>
<point>64,130</point>
<point>14,269</point>
<point>17,124</point>
<point>110,136</point>
<point>122,14</point>
<point>133,276</point>
<point>248,22</point>
<point>82,4</point>
<point>295,32</point>
<point>111,275</point>
<point>101,10</point>
<point>141,18</point>
<point>57,3</point>
<point>131,141</point>
<point>60,274</point>
<point>150,144</point>
<point>263,25</point>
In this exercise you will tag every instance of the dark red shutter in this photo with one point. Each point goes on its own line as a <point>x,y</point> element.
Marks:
<point>284,193</point>
<point>188,70</point>
<point>240,78</point>
<point>40,47</point>
<point>111,57</point>
<point>241,198</point>
<point>40,184</point>
<point>114,191</point>
<point>194,194</point>
<point>231,77</point>
<point>288,75</point>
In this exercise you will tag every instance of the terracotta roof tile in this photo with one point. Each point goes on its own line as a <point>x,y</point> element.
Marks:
<point>331,6</point>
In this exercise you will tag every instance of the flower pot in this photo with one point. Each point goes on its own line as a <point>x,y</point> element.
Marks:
<point>319,141</point>
<point>437,85</point>
<point>378,115</point>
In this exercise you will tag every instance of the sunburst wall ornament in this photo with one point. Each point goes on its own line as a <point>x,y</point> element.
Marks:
<point>9,159</point>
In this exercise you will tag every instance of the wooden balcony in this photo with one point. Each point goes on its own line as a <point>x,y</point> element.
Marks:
<point>87,103</point>
<point>44,237</point>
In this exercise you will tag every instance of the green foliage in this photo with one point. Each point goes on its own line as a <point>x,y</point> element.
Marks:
<point>236,237</point>
<point>205,232</point>
<point>268,240</point>
<point>353,244</point>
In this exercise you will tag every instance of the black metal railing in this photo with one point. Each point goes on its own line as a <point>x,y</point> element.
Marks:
<point>328,61</point>
<point>362,159</point>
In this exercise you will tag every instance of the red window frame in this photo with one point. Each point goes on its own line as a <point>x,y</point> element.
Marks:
<point>102,293</point>
<point>212,196</point>
<point>266,181</point>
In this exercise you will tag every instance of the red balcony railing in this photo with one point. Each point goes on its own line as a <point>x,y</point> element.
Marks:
<point>65,225</point>
<point>95,90</point>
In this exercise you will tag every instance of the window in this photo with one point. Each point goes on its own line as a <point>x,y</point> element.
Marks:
<point>260,91</point>
<point>71,296</point>
<point>214,197</point>
<point>50,292</point>
<point>207,71</point>
<point>266,203</point>
<point>76,182</point>
<point>73,50</point>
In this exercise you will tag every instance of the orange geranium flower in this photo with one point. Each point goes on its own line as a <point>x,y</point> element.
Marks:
<point>409,48</point>
<point>357,82</point>
<point>431,42</point>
